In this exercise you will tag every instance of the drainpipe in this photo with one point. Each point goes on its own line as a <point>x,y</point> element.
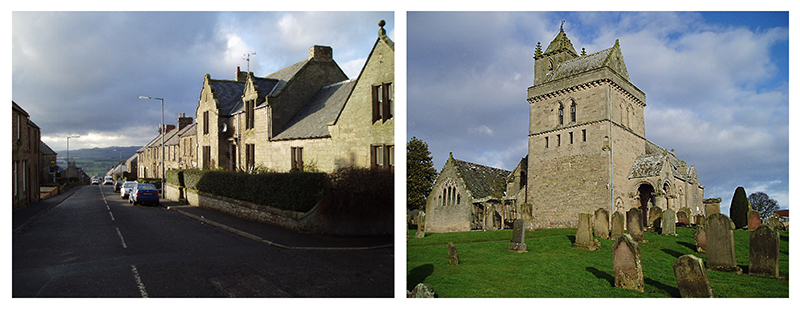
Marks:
<point>611,140</point>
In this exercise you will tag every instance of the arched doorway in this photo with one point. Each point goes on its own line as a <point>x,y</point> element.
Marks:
<point>645,199</point>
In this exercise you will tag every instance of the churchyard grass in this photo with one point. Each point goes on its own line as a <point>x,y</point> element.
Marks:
<point>553,269</point>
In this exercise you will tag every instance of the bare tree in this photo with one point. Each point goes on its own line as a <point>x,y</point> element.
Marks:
<point>762,203</point>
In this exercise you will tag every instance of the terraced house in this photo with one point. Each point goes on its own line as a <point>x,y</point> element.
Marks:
<point>308,116</point>
<point>26,158</point>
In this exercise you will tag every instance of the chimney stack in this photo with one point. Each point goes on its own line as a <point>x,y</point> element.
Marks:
<point>184,121</point>
<point>321,53</point>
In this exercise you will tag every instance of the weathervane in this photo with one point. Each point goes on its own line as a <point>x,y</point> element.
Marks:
<point>247,58</point>
<point>562,25</point>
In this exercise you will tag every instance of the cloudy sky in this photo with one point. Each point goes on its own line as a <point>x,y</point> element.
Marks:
<point>81,73</point>
<point>716,86</point>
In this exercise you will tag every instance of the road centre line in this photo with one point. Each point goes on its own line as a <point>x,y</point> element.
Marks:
<point>112,215</point>
<point>139,283</point>
<point>120,238</point>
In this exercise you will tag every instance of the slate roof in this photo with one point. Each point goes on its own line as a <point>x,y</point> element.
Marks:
<point>650,165</point>
<point>323,109</point>
<point>264,87</point>
<point>285,75</point>
<point>45,149</point>
<point>482,181</point>
<point>228,94</point>
<point>581,64</point>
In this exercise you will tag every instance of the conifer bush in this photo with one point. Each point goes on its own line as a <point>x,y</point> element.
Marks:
<point>739,208</point>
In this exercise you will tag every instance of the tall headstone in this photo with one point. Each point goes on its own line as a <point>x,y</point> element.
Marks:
<point>420,225</point>
<point>700,239</point>
<point>682,218</point>
<point>774,222</point>
<point>601,223</point>
<point>653,215</point>
<point>720,248</point>
<point>668,226</point>
<point>634,224</point>
<point>753,220</point>
<point>584,239</point>
<point>712,205</point>
<point>452,253</point>
<point>617,224</point>
<point>692,277</point>
<point>765,247</point>
<point>518,239</point>
<point>627,264</point>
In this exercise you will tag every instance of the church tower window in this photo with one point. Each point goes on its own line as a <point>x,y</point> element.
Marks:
<point>560,114</point>
<point>573,112</point>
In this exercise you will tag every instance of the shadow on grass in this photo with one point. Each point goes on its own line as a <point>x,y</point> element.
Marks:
<point>601,275</point>
<point>784,238</point>
<point>418,275</point>
<point>671,291</point>
<point>571,239</point>
<point>672,252</point>
<point>688,245</point>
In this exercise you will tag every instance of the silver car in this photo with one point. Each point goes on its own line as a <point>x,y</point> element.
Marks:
<point>126,189</point>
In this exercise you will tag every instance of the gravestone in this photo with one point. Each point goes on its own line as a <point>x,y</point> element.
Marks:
<point>765,247</point>
<point>617,224</point>
<point>518,239</point>
<point>420,225</point>
<point>653,215</point>
<point>753,220</point>
<point>683,218</point>
<point>720,249</point>
<point>699,220</point>
<point>601,223</point>
<point>627,264</point>
<point>452,254</point>
<point>421,291</point>
<point>668,225</point>
<point>584,239</point>
<point>634,224</point>
<point>712,205</point>
<point>700,239</point>
<point>692,277</point>
<point>774,222</point>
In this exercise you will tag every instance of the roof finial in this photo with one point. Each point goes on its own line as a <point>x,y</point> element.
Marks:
<point>583,51</point>
<point>381,24</point>
<point>562,25</point>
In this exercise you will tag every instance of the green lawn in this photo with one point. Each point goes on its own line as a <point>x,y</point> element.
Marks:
<point>552,268</point>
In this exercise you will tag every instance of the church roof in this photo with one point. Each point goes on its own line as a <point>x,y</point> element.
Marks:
<point>482,181</point>
<point>610,57</point>
<point>559,44</point>
<point>323,109</point>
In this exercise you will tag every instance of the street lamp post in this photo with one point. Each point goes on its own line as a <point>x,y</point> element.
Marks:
<point>163,133</point>
<point>68,137</point>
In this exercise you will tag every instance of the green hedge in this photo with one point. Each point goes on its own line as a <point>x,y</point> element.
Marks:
<point>359,193</point>
<point>175,177</point>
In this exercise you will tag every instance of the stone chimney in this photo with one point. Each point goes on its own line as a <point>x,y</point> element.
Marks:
<point>320,53</point>
<point>169,128</point>
<point>241,76</point>
<point>184,121</point>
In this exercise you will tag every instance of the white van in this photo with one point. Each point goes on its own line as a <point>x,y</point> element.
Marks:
<point>108,180</point>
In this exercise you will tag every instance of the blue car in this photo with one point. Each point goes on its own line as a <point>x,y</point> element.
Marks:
<point>143,193</point>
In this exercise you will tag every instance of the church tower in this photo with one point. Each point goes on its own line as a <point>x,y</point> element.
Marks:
<point>559,51</point>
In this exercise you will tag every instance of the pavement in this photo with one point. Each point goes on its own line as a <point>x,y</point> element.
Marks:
<point>261,232</point>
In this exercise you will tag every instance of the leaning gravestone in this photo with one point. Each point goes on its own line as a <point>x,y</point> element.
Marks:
<point>753,220</point>
<point>774,222</point>
<point>700,239</point>
<point>583,237</point>
<point>627,264</point>
<point>653,215</point>
<point>764,251</point>
<point>668,225</point>
<point>683,218</point>
<point>518,240</point>
<point>420,225</point>
<point>719,244</point>
<point>634,223</point>
<point>452,253</point>
<point>421,291</point>
<point>692,277</point>
<point>601,223</point>
<point>617,224</point>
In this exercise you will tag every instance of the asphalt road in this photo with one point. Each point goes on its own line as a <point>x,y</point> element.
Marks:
<point>94,244</point>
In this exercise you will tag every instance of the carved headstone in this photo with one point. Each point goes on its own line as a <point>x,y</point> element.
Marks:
<point>452,254</point>
<point>700,239</point>
<point>634,224</point>
<point>692,277</point>
<point>774,222</point>
<point>518,239</point>
<point>583,237</point>
<point>753,220</point>
<point>765,247</point>
<point>720,248</point>
<point>653,215</point>
<point>627,264</point>
<point>712,205</point>
<point>420,225</point>
<point>668,226</point>
<point>699,220</point>
<point>617,224</point>
<point>682,218</point>
<point>601,223</point>
<point>422,291</point>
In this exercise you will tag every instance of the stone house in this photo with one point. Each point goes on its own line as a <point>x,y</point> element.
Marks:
<point>25,154</point>
<point>188,147</point>
<point>586,144</point>
<point>149,156</point>
<point>308,116</point>
<point>132,166</point>
<point>48,164</point>
<point>468,196</point>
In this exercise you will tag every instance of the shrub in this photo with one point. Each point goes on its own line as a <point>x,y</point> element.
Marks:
<point>739,208</point>
<point>175,177</point>
<point>359,193</point>
<point>286,191</point>
<point>191,177</point>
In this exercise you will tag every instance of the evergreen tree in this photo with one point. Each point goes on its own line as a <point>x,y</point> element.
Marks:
<point>740,206</point>
<point>763,204</point>
<point>421,174</point>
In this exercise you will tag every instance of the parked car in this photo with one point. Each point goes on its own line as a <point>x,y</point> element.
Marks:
<point>108,180</point>
<point>126,189</point>
<point>118,185</point>
<point>143,193</point>
<point>95,181</point>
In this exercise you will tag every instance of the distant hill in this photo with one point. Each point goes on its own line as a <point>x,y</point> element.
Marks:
<point>97,161</point>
